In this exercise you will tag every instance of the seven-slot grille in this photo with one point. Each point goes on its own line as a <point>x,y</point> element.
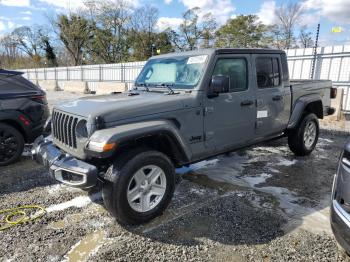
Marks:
<point>63,127</point>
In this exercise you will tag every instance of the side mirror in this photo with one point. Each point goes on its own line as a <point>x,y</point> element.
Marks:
<point>219,84</point>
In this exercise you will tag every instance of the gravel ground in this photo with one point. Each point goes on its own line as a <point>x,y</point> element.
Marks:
<point>258,204</point>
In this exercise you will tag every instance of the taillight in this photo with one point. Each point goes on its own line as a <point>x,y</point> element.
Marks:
<point>40,99</point>
<point>334,92</point>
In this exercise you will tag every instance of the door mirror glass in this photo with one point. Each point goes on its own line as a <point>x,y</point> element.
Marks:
<point>219,84</point>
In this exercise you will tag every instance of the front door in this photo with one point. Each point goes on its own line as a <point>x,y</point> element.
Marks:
<point>272,97</point>
<point>229,119</point>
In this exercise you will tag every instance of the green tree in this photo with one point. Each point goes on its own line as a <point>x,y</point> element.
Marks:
<point>195,31</point>
<point>75,32</point>
<point>243,31</point>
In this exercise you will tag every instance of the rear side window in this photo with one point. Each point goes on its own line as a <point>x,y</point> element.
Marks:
<point>268,72</point>
<point>236,70</point>
<point>16,84</point>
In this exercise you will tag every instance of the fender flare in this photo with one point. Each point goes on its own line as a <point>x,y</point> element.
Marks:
<point>299,108</point>
<point>13,116</point>
<point>127,132</point>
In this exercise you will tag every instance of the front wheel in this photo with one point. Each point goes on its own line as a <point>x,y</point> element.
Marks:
<point>142,187</point>
<point>303,139</point>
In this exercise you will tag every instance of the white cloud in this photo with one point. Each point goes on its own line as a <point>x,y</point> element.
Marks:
<point>266,13</point>
<point>65,4</point>
<point>15,2</point>
<point>336,11</point>
<point>2,26</point>
<point>26,18</point>
<point>165,22</point>
<point>10,25</point>
<point>168,1</point>
<point>220,9</point>
<point>26,12</point>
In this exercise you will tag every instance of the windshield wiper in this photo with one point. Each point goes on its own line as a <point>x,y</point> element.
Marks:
<point>142,85</point>
<point>167,85</point>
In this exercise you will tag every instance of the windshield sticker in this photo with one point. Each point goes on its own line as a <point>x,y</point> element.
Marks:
<point>196,59</point>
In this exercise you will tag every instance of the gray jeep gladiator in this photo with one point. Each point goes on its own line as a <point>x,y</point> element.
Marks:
<point>183,108</point>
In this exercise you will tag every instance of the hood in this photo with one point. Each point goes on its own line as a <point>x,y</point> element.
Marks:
<point>121,106</point>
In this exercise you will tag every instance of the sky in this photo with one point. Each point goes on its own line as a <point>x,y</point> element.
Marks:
<point>329,13</point>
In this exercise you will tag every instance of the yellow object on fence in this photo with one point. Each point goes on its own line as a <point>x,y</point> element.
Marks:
<point>337,29</point>
<point>19,215</point>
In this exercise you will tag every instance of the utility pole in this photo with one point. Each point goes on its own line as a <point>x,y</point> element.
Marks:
<point>312,75</point>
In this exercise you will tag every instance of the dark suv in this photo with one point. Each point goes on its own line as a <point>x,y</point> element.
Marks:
<point>23,113</point>
<point>340,206</point>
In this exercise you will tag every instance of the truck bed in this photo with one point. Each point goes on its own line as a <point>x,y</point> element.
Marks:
<point>304,87</point>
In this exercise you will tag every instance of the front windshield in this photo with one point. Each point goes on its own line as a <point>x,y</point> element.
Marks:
<point>177,72</point>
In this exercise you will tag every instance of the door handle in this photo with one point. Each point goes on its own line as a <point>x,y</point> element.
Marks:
<point>277,98</point>
<point>247,103</point>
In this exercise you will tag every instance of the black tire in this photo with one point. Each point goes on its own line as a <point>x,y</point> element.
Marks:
<point>296,136</point>
<point>119,178</point>
<point>11,144</point>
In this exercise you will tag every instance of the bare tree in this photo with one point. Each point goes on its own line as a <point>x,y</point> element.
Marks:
<point>288,17</point>
<point>28,40</point>
<point>305,38</point>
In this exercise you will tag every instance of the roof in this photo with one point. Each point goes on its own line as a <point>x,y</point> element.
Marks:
<point>9,73</point>
<point>211,51</point>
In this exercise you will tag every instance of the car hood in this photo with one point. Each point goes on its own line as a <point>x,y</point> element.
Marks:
<point>121,106</point>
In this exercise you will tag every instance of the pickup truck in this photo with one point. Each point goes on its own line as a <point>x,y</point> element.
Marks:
<point>183,108</point>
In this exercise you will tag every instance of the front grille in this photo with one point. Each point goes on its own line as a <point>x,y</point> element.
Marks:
<point>63,128</point>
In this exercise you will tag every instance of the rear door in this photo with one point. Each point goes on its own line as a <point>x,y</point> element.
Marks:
<point>272,98</point>
<point>230,117</point>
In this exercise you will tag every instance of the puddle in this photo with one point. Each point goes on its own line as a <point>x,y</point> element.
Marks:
<point>68,220</point>
<point>79,202</point>
<point>84,248</point>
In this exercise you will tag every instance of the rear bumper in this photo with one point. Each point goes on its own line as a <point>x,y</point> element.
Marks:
<point>63,167</point>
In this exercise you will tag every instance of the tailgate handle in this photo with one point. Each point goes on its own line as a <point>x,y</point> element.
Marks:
<point>277,98</point>
<point>247,103</point>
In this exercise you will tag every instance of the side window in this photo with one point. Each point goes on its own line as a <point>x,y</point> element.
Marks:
<point>285,67</point>
<point>268,72</point>
<point>236,70</point>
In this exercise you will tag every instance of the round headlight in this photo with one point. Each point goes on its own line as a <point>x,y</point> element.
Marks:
<point>81,129</point>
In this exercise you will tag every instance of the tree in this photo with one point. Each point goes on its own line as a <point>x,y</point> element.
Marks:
<point>305,38</point>
<point>142,32</point>
<point>75,32</point>
<point>288,17</point>
<point>113,19</point>
<point>194,31</point>
<point>28,40</point>
<point>243,31</point>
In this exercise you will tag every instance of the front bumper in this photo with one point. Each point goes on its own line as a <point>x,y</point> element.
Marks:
<point>63,167</point>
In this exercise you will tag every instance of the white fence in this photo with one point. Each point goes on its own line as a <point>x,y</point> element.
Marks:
<point>332,62</point>
<point>92,74</point>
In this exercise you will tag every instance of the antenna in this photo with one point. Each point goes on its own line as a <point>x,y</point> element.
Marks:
<point>312,75</point>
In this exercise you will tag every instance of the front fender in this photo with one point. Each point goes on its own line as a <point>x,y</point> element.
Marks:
<point>132,131</point>
<point>299,107</point>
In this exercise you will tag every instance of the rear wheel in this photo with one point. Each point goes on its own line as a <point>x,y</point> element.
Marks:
<point>142,187</point>
<point>11,144</point>
<point>303,139</point>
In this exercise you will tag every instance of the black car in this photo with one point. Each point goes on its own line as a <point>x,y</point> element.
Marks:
<point>340,205</point>
<point>23,113</point>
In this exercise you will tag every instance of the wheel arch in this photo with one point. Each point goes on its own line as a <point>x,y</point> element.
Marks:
<point>15,124</point>
<point>305,104</point>
<point>162,135</point>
